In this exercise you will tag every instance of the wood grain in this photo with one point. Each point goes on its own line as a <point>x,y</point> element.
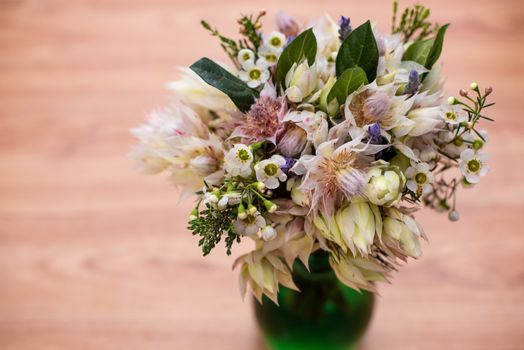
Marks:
<point>96,256</point>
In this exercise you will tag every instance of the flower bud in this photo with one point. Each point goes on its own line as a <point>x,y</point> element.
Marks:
<point>301,81</point>
<point>251,209</point>
<point>453,215</point>
<point>292,141</point>
<point>270,206</point>
<point>241,212</point>
<point>194,215</point>
<point>385,184</point>
<point>488,90</point>
<point>463,93</point>
<point>452,100</point>
<point>474,86</point>
<point>268,233</point>
<point>286,24</point>
<point>260,186</point>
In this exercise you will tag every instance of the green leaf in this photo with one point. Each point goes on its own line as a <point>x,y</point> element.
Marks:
<point>241,95</point>
<point>426,52</point>
<point>303,46</point>
<point>348,82</point>
<point>359,49</point>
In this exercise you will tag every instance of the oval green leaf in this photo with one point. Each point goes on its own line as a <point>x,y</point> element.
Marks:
<point>303,46</point>
<point>238,91</point>
<point>348,82</point>
<point>359,49</point>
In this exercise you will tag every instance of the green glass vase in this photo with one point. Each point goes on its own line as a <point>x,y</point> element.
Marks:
<point>324,315</point>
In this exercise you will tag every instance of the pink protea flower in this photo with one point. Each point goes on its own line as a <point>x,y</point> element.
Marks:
<point>263,120</point>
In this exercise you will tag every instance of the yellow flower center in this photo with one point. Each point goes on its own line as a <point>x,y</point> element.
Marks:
<point>246,56</point>
<point>474,165</point>
<point>477,144</point>
<point>458,141</point>
<point>254,74</point>
<point>421,178</point>
<point>271,169</point>
<point>243,155</point>
<point>451,116</point>
<point>276,42</point>
<point>271,57</point>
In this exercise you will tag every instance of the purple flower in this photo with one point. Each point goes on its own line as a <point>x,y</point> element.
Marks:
<point>289,164</point>
<point>413,83</point>
<point>374,133</point>
<point>345,27</point>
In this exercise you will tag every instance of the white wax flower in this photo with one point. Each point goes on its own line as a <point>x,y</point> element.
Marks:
<point>269,173</point>
<point>251,225</point>
<point>245,55</point>
<point>420,178</point>
<point>254,74</point>
<point>275,40</point>
<point>237,161</point>
<point>473,165</point>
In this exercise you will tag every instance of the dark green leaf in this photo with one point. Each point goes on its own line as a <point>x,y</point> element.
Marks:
<point>359,49</point>
<point>241,95</point>
<point>348,82</point>
<point>426,52</point>
<point>303,46</point>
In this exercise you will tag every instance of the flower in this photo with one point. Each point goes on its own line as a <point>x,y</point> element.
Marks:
<point>476,141</point>
<point>275,40</point>
<point>268,171</point>
<point>230,198</point>
<point>245,55</point>
<point>301,80</point>
<point>473,165</point>
<point>262,121</point>
<point>345,27</point>
<point>254,74</point>
<point>268,55</point>
<point>358,223</point>
<point>385,184</point>
<point>454,116</point>
<point>238,161</point>
<point>250,225</point>
<point>401,234</point>
<point>314,123</point>
<point>332,175</point>
<point>292,140</point>
<point>420,178</point>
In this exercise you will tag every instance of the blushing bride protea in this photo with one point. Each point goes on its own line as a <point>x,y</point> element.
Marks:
<point>327,137</point>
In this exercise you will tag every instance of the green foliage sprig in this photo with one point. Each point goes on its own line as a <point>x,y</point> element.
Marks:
<point>413,22</point>
<point>211,224</point>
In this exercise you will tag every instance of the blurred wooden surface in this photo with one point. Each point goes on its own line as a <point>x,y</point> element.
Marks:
<point>96,256</point>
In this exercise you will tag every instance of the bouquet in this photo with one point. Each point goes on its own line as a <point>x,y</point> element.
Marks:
<point>318,137</point>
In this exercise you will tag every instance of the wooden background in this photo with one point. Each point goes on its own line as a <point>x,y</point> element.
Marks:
<point>96,256</point>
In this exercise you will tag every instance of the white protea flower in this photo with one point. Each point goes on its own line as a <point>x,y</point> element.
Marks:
<point>426,120</point>
<point>385,184</point>
<point>275,40</point>
<point>420,178</point>
<point>473,165</point>
<point>269,171</point>
<point>301,80</point>
<point>254,74</point>
<point>269,55</point>
<point>401,234</point>
<point>475,140</point>
<point>245,55</point>
<point>358,223</point>
<point>250,225</point>
<point>454,116</point>
<point>238,160</point>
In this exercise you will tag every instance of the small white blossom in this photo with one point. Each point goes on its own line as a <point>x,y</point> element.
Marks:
<point>268,171</point>
<point>420,178</point>
<point>473,165</point>
<point>238,161</point>
<point>251,225</point>
<point>245,55</point>
<point>275,40</point>
<point>254,74</point>
<point>454,116</point>
<point>475,141</point>
<point>231,198</point>
<point>268,55</point>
